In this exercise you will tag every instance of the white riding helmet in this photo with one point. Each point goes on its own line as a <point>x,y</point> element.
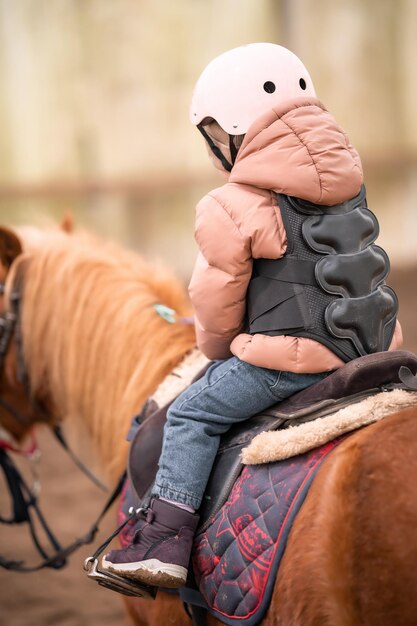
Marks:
<point>241,84</point>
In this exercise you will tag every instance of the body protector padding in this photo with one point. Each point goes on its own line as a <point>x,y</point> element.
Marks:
<point>330,284</point>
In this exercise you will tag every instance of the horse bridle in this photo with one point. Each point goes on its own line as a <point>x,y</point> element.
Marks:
<point>8,326</point>
<point>10,329</point>
<point>24,498</point>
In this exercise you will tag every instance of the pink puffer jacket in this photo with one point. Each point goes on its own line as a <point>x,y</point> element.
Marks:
<point>299,150</point>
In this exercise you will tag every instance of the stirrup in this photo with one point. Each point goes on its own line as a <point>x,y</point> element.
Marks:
<point>113,581</point>
<point>118,583</point>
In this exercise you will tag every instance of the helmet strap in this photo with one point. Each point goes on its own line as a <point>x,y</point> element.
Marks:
<point>233,149</point>
<point>216,151</point>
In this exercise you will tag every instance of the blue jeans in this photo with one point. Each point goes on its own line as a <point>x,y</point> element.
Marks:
<point>231,391</point>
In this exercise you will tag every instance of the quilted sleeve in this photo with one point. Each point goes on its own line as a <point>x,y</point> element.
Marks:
<point>220,278</point>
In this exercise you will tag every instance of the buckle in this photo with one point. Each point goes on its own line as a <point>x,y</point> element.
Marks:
<point>118,583</point>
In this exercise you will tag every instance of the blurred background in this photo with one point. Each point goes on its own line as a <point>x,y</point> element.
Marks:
<point>94,98</point>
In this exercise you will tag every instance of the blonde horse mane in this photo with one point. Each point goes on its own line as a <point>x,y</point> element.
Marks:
<point>93,343</point>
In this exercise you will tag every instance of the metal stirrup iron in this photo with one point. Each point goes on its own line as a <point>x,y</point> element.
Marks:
<point>125,586</point>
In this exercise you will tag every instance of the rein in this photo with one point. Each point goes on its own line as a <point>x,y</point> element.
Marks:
<point>25,508</point>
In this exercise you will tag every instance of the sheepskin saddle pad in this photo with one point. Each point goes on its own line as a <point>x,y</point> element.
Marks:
<point>308,419</point>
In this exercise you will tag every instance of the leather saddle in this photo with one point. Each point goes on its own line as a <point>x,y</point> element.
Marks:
<point>354,381</point>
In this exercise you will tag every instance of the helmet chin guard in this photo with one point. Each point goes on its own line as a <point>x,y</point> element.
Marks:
<point>240,85</point>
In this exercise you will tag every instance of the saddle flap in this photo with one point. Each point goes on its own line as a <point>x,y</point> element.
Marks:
<point>144,452</point>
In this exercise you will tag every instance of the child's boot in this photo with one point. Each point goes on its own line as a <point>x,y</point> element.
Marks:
<point>161,548</point>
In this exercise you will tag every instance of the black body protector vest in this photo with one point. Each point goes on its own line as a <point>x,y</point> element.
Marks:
<point>330,284</point>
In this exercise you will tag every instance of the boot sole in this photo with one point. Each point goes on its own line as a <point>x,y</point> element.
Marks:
<point>151,572</point>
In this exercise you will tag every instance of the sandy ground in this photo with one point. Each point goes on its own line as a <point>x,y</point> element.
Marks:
<point>70,503</point>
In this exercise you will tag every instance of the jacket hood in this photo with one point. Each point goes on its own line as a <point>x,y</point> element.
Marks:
<point>299,149</point>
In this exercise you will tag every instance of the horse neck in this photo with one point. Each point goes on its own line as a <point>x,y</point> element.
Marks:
<point>108,430</point>
<point>99,349</point>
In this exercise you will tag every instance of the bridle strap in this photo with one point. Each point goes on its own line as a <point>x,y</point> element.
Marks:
<point>21,419</point>
<point>23,501</point>
<point>7,442</point>
<point>59,435</point>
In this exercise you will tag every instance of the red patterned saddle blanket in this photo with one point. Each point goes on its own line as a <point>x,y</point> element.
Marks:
<point>236,558</point>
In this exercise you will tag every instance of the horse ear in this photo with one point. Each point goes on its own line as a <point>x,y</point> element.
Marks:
<point>67,223</point>
<point>10,246</point>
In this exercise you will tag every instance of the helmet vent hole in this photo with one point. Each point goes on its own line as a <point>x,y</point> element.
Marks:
<point>303,83</point>
<point>269,87</point>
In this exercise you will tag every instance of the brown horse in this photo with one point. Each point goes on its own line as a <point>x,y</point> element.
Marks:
<point>93,349</point>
